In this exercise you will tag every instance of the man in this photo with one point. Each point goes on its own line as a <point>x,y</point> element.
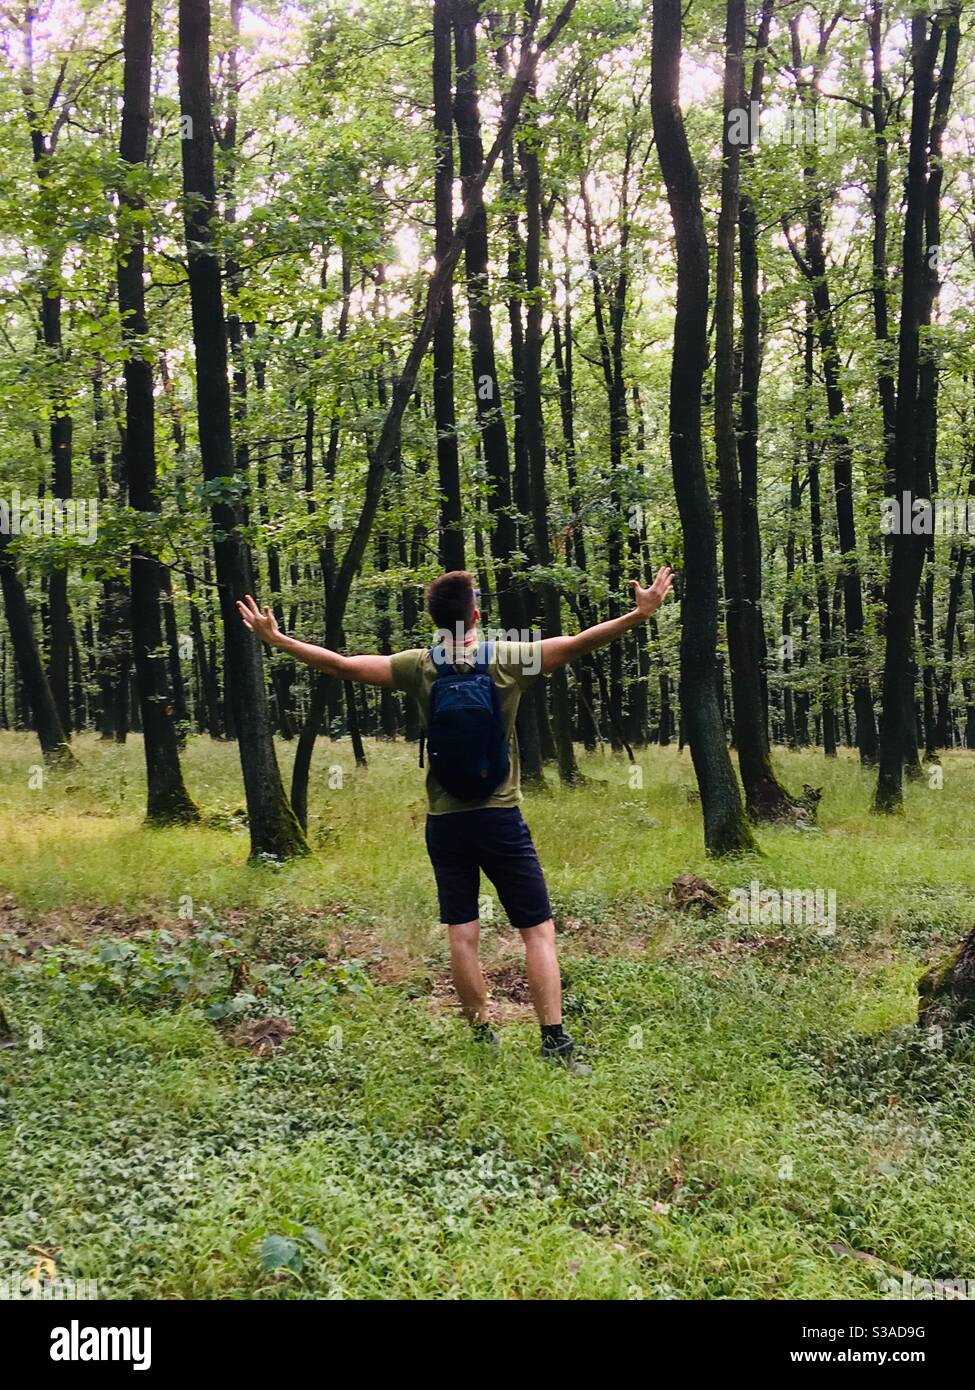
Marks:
<point>466,836</point>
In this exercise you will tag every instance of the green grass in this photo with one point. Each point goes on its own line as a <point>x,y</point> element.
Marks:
<point>760,1100</point>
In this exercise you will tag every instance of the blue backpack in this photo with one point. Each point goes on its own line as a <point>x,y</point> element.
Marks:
<point>466,735</point>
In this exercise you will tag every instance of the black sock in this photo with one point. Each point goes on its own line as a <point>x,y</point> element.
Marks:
<point>553,1032</point>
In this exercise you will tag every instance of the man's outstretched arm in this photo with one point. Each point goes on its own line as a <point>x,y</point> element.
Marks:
<point>559,651</point>
<point>368,670</point>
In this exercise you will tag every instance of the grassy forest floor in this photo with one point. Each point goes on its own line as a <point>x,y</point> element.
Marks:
<point>763,1121</point>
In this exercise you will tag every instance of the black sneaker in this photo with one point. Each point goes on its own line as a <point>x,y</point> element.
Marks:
<point>484,1033</point>
<point>559,1052</point>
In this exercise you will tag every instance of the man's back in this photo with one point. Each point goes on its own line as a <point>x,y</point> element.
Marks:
<point>513,667</point>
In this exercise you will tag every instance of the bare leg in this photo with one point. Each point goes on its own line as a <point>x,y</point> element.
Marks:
<point>542,967</point>
<point>466,969</point>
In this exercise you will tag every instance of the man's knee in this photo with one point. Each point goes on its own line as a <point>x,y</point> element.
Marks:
<point>541,935</point>
<point>464,936</point>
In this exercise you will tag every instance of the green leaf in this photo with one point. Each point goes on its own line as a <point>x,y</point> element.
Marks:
<point>278,1253</point>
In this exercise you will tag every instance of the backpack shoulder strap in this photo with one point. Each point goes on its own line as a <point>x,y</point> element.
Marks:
<point>485,655</point>
<point>441,662</point>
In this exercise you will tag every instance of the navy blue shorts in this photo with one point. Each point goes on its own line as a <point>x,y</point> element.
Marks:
<point>497,840</point>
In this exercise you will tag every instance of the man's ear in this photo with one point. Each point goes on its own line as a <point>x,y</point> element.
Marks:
<point>477,615</point>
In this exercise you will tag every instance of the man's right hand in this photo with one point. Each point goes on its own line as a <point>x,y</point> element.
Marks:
<point>263,623</point>
<point>649,600</point>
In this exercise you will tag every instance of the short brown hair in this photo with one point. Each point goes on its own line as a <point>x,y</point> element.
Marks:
<point>451,599</point>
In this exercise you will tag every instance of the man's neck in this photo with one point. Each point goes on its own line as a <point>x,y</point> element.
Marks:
<point>466,647</point>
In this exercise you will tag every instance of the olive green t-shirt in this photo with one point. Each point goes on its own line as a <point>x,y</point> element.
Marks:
<point>513,668</point>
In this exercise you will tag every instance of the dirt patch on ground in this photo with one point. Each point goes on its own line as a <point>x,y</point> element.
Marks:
<point>322,933</point>
<point>76,925</point>
<point>386,962</point>
<point>510,1000</point>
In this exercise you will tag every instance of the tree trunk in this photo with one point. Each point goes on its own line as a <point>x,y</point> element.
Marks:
<point>273,828</point>
<point>46,719</point>
<point>534,425</point>
<point>764,797</point>
<point>576,544</point>
<point>814,268</point>
<point>725,825</point>
<point>451,528</point>
<point>167,799</point>
<point>512,610</point>
<point>880,202</point>
<point>751,369</point>
<point>827,674</point>
<point>907,550</point>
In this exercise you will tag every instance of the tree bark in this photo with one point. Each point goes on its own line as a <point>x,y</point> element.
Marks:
<point>167,800</point>
<point>47,720</point>
<point>907,550</point>
<point>725,825</point>
<point>451,530</point>
<point>813,265</point>
<point>274,831</point>
<point>534,424</point>
<point>765,799</point>
<point>61,428</point>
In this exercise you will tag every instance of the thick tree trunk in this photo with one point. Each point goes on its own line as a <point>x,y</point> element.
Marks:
<point>907,550</point>
<point>725,824</point>
<point>273,828</point>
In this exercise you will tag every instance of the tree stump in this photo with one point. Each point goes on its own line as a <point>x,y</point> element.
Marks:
<point>947,991</point>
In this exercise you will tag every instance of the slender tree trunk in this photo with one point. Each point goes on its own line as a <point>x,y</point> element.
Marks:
<point>788,607</point>
<point>46,719</point>
<point>563,353</point>
<point>751,368</point>
<point>512,610</point>
<point>814,267</point>
<point>448,466</point>
<point>956,564</point>
<point>61,428</point>
<point>167,799</point>
<point>61,434</point>
<point>534,425</point>
<point>764,797</point>
<point>880,202</point>
<point>826,643</point>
